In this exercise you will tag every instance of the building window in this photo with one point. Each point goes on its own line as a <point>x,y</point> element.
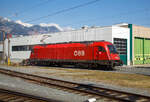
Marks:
<point>121,45</point>
<point>22,48</point>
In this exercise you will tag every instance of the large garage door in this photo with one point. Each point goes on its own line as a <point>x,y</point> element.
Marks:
<point>121,45</point>
<point>147,51</point>
<point>141,51</point>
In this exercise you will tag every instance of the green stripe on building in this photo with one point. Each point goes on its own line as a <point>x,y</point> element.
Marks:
<point>130,26</point>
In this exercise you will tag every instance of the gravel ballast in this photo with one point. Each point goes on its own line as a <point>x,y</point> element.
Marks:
<point>20,85</point>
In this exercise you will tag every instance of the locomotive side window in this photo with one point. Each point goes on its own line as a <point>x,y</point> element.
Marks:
<point>112,49</point>
<point>101,49</point>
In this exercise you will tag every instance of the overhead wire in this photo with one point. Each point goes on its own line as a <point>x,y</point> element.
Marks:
<point>68,9</point>
<point>16,14</point>
<point>63,10</point>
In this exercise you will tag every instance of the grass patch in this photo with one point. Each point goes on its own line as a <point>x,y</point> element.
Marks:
<point>121,79</point>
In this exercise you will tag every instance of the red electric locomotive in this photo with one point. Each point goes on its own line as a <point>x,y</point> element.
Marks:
<point>92,53</point>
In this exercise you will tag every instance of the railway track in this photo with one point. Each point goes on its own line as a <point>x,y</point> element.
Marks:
<point>83,89</point>
<point>11,96</point>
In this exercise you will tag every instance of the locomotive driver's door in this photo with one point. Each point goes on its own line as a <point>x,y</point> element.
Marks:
<point>96,53</point>
<point>100,53</point>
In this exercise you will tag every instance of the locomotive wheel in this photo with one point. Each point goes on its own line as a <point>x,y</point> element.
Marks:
<point>111,66</point>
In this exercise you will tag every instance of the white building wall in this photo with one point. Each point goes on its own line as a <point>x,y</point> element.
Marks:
<point>1,47</point>
<point>18,56</point>
<point>26,40</point>
<point>81,35</point>
<point>120,32</point>
<point>90,34</point>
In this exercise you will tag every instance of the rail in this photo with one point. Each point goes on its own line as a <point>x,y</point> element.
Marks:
<point>98,92</point>
<point>12,96</point>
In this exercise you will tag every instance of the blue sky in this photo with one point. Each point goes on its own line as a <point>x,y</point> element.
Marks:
<point>100,13</point>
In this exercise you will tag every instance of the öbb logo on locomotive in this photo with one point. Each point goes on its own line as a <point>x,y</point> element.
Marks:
<point>79,53</point>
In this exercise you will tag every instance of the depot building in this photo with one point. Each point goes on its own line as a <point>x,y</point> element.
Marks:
<point>130,40</point>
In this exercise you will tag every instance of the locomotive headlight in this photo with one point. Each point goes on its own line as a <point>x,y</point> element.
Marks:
<point>117,57</point>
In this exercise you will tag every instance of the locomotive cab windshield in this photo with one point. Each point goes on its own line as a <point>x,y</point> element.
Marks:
<point>101,49</point>
<point>112,49</point>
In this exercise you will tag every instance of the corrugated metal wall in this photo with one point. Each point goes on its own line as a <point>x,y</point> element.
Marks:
<point>141,51</point>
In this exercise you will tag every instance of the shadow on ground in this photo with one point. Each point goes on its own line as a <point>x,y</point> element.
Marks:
<point>103,68</point>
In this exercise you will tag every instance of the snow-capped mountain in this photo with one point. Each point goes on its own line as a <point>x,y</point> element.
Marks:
<point>20,28</point>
